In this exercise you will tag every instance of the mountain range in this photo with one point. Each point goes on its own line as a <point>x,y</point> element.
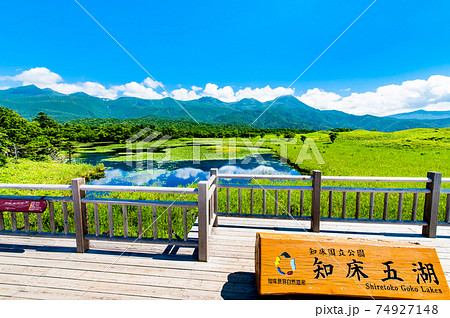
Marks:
<point>285,112</point>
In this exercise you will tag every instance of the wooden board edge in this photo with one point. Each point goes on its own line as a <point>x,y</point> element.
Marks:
<point>349,240</point>
<point>258,262</point>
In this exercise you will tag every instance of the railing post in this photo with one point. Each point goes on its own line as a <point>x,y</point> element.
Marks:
<point>215,172</point>
<point>431,211</point>
<point>79,215</point>
<point>315,204</point>
<point>203,221</point>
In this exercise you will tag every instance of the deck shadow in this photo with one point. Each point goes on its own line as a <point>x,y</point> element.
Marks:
<point>170,252</point>
<point>6,248</point>
<point>239,285</point>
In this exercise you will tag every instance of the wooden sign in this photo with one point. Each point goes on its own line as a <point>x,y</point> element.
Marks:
<point>307,264</point>
<point>36,206</point>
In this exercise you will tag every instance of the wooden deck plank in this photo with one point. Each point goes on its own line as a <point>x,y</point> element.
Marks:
<point>137,261</point>
<point>96,286</point>
<point>149,271</point>
<point>19,291</point>
<point>120,281</point>
<point>42,268</point>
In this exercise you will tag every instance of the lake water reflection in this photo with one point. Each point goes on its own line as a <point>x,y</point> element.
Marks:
<point>182,173</point>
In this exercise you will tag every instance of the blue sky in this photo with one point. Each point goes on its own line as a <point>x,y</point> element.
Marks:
<point>238,44</point>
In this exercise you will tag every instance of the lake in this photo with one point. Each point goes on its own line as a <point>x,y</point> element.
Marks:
<point>180,173</point>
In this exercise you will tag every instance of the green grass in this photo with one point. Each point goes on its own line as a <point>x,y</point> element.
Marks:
<point>358,153</point>
<point>30,172</point>
<point>45,172</point>
<point>409,153</point>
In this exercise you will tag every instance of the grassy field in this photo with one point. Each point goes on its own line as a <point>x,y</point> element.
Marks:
<point>408,153</point>
<point>357,153</point>
<point>362,153</point>
<point>31,172</point>
<point>46,172</point>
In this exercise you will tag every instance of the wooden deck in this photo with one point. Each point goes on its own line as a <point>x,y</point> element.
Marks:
<point>35,268</point>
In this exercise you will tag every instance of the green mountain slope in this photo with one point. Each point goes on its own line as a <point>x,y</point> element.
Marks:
<point>423,115</point>
<point>285,112</point>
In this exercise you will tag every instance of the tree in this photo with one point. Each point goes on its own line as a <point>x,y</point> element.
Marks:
<point>45,121</point>
<point>333,136</point>
<point>3,148</point>
<point>38,149</point>
<point>303,138</point>
<point>289,134</point>
<point>69,147</point>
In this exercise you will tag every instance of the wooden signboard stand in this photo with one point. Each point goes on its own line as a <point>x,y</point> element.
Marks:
<point>321,265</point>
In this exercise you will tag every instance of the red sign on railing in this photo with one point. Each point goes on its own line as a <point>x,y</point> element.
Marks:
<point>34,206</point>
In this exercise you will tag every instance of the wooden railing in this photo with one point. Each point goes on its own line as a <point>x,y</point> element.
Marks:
<point>77,223</point>
<point>207,212</point>
<point>62,231</point>
<point>79,216</point>
<point>317,213</point>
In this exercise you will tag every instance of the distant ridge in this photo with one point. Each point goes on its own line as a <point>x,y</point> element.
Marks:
<point>423,115</point>
<point>286,112</point>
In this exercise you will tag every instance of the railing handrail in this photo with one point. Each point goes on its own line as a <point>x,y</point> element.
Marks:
<point>211,180</point>
<point>46,198</point>
<point>265,176</point>
<point>377,190</point>
<point>264,186</point>
<point>173,190</point>
<point>23,186</point>
<point>190,204</point>
<point>329,178</point>
<point>108,188</point>
<point>377,179</point>
<point>103,188</point>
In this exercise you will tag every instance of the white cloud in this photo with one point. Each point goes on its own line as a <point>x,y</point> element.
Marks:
<point>44,78</point>
<point>186,173</point>
<point>238,170</point>
<point>263,94</point>
<point>438,106</point>
<point>134,89</point>
<point>433,93</point>
<point>152,84</point>
<point>39,76</point>
<point>319,99</point>
<point>90,88</point>
<point>184,94</point>
<point>430,94</point>
<point>227,94</point>
<point>116,176</point>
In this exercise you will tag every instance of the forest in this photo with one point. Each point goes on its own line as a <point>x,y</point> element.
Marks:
<point>44,138</point>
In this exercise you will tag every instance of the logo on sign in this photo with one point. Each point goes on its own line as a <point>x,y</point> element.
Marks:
<point>282,258</point>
